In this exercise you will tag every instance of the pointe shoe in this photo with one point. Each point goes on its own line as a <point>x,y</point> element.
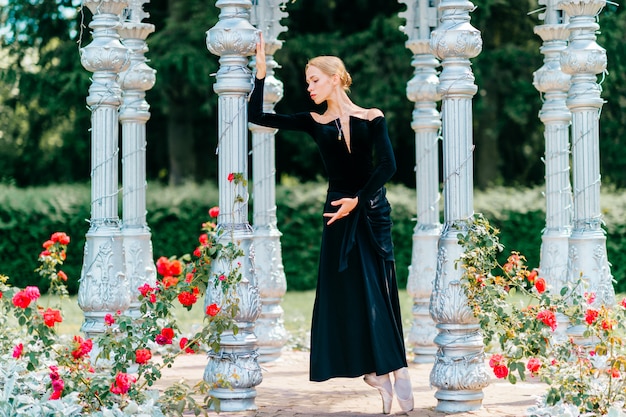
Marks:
<point>383,384</point>
<point>404,391</point>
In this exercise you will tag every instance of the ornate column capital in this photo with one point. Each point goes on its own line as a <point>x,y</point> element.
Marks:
<point>105,56</point>
<point>139,77</point>
<point>583,58</point>
<point>455,42</point>
<point>233,38</point>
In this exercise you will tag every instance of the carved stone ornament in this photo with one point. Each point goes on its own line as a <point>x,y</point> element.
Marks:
<point>103,284</point>
<point>233,34</point>
<point>105,52</point>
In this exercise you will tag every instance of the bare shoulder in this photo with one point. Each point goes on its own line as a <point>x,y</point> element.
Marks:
<point>373,113</point>
<point>317,117</point>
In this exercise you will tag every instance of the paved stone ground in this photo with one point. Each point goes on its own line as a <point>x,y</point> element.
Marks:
<point>287,392</point>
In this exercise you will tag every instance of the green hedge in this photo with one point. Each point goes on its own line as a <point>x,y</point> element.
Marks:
<point>29,216</point>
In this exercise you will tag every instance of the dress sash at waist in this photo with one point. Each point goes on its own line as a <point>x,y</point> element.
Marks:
<point>369,222</point>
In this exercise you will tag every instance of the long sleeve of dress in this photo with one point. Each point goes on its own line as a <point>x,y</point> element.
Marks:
<point>297,121</point>
<point>385,166</point>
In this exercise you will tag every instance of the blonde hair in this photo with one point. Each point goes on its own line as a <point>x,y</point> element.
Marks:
<point>331,65</point>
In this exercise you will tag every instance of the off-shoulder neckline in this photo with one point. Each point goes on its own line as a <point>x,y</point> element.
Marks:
<point>351,116</point>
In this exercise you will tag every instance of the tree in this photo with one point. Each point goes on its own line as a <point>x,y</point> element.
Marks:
<point>182,99</point>
<point>44,118</point>
<point>45,88</point>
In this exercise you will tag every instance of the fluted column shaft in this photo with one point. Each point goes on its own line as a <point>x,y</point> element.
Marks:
<point>134,114</point>
<point>554,84</point>
<point>459,371</point>
<point>233,371</point>
<point>270,329</point>
<point>103,284</point>
<point>422,89</point>
<point>584,59</point>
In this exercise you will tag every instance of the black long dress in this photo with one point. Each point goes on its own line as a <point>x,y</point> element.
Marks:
<point>356,327</point>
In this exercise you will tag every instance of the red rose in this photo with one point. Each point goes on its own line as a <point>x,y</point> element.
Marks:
<point>500,371</point>
<point>591,315</point>
<point>183,345</point>
<point>540,285</point>
<point>623,302</point>
<point>51,316</point>
<point>162,265</point>
<point>531,276</point>
<point>212,310</point>
<point>169,281</point>
<point>17,350</point>
<point>230,177</point>
<point>145,289</point>
<point>548,318</point>
<point>533,365</point>
<point>607,324</point>
<point>47,244</point>
<point>614,373</point>
<point>32,292</point>
<point>62,276</point>
<point>495,360</point>
<point>109,319</point>
<point>168,332</point>
<point>142,356</point>
<point>590,297</point>
<point>58,385</point>
<point>215,211</point>
<point>187,299</point>
<point>197,252</point>
<point>21,299</point>
<point>122,383</point>
<point>165,337</point>
<point>81,347</point>
<point>60,237</point>
<point>175,268</point>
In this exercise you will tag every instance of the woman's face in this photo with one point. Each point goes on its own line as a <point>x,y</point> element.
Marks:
<point>320,84</point>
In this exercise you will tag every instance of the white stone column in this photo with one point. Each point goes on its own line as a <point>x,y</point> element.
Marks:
<point>134,114</point>
<point>554,84</point>
<point>459,372</point>
<point>421,18</point>
<point>104,287</point>
<point>584,59</point>
<point>233,371</point>
<point>270,329</point>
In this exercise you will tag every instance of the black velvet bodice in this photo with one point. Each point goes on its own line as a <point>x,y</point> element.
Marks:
<point>360,171</point>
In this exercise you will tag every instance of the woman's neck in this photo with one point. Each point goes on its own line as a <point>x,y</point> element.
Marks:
<point>340,106</point>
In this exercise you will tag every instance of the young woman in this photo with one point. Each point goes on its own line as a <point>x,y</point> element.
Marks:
<point>356,328</point>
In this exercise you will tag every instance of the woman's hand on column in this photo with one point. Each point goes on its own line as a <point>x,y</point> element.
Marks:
<point>261,65</point>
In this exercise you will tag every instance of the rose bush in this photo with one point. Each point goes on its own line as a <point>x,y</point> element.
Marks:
<point>43,373</point>
<point>520,314</point>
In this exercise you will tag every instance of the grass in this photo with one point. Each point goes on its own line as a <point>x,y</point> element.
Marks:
<point>297,306</point>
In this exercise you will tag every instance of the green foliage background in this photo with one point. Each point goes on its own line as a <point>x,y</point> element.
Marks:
<point>29,216</point>
<point>43,118</point>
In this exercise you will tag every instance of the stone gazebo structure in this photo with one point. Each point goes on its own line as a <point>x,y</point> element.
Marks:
<point>118,252</point>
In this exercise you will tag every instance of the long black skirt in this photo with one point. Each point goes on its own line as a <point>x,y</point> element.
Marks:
<point>356,327</point>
